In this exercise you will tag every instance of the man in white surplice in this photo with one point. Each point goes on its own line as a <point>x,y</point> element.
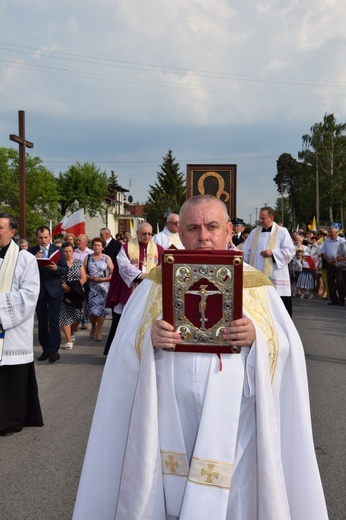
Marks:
<point>173,436</point>
<point>269,249</point>
<point>170,235</point>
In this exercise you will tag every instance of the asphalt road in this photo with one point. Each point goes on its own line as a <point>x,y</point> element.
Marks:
<point>40,467</point>
<point>323,331</point>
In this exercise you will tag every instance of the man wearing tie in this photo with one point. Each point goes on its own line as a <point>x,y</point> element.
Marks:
<point>49,300</point>
<point>269,249</point>
<point>238,227</point>
<point>112,246</point>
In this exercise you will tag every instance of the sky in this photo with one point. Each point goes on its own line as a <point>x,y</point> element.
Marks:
<point>121,82</point>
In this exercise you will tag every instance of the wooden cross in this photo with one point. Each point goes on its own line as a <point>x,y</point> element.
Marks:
<point>20,139</point>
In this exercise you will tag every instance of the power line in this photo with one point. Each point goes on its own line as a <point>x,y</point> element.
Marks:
<point>80,58</point>
<point>189,74</point>
<point>145,162</point>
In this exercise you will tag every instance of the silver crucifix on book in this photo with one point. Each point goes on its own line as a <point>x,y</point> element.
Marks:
<point>203,293</point>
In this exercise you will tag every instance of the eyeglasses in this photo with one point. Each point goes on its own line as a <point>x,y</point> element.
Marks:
<point>172,222</point>
<point>149,234</point>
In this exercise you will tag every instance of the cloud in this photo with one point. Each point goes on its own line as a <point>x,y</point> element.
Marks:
<point>121,82</point>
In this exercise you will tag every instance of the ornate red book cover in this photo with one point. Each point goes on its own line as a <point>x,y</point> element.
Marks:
<point>202,294</point>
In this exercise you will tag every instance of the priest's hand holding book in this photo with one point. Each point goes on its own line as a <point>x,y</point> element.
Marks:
<point>241,333</point>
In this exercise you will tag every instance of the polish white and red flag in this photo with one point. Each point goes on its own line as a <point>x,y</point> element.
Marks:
<point>74,223</point>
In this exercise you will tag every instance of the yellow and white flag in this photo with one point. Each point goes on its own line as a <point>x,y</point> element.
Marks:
<point>132,229</point>
<point>313,227</point>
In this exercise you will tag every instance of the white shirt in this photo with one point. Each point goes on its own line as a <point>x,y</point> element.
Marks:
<point>166,238</point>
<point>17,309</point>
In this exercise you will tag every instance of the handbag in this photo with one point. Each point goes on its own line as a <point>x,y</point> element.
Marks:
<point>76,296</point>
<point>341,252</point>
<point>86,286</point>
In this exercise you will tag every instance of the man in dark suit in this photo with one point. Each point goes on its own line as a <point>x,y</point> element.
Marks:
<point>49,300</point>
<point>238,226</point>
<point>112,246</point>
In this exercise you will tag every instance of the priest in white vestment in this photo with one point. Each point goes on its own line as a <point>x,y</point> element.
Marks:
<point>170,234</point>
<point>174,436</point>
<point>19,290</point>
<point>269,249</point>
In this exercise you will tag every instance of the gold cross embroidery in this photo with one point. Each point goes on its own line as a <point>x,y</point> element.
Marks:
<point>172,463</point>
<point>209,473</point>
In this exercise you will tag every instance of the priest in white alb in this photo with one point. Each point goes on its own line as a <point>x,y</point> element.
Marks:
<point>170,234</point>
<point>173,436</point>
<point>269,248</point>
<point>19,290</point>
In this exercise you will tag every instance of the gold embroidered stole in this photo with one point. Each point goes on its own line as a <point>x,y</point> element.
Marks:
<point>212,468</point>
<point>6,276</point>
<point>268,262</point>
<point>153,309</point>
<point>133,252</point>
<point>255,302</point>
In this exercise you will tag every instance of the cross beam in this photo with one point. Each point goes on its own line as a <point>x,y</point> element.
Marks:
<point>20,139</point>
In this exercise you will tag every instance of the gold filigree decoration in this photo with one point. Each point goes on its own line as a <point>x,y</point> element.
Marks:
<point>152,311</point>
<point>254,278</point>
<point>251,277</point>
<point>255,303</point>
<point>155,275</point>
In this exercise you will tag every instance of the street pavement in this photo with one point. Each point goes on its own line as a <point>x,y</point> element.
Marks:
<point>40,467</point>
<point>323,331</point>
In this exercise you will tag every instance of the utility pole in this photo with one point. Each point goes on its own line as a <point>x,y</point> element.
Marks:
<point>317,194</point>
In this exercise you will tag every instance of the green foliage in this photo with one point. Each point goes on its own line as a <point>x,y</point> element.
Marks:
<point>42,203</point>
<point>325,149</point>
<point>283,212</point>
<point>323,157</point>
<point>295,179</point>
<point>48,198</point>
<point>168,192</point>
<point>83,186</point>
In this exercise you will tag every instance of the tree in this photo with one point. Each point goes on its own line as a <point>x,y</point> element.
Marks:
<point>283,212</point>
<point>83,186</point>
<point>292,179</point>
<point>168,192</point>
<point>325,148</point>
<point>42,203</point>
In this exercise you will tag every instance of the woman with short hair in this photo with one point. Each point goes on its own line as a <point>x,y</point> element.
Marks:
<point>99,268</point>
<point>71,313</point>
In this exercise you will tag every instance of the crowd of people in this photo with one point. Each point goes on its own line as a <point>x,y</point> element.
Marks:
<point>164,443</point>
<point>309,263</point>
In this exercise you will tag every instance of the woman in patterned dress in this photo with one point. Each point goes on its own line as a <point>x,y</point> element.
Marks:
<point>70,317</point>
<point>99,269</point>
